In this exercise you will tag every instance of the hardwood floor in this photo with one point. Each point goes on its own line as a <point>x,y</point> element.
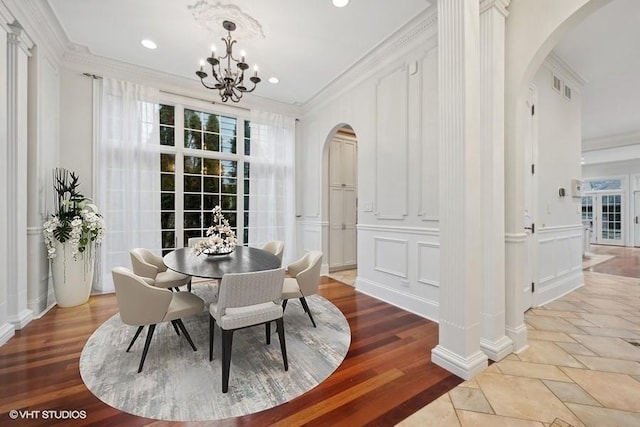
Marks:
<point>626,261</point>
<point>386,376</point>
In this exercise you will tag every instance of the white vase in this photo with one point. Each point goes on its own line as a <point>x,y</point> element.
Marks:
<point>72,279</point>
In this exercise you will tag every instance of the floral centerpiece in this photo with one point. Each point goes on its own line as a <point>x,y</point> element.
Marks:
<point>220,240</point>
<point>75,220</point>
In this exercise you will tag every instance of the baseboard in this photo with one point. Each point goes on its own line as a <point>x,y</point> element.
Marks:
<point>465,368</point>
<point>7,331</point>
<point>411,303</point>
<point>22,319</point>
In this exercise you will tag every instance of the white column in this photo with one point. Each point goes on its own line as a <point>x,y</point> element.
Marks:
<point>6,328</point>
<point>16,175</point>
<point>493,341</point>
<point>461,221</point>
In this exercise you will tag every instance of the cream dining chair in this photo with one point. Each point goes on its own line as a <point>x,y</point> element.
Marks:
<point>304,281</point>
<point>142,304</point>
<point>275,247</point>
<point>147,264</point>
<point>245,300</point>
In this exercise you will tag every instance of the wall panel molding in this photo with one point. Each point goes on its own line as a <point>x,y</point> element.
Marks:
<point>392,145</point>
<point>428,263</point>
<point>391,256</point>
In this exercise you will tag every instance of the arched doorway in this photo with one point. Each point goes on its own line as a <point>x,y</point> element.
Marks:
<point>532,31</point>
<point>342,198</point>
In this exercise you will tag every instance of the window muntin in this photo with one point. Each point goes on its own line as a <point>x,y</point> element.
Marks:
<point>201,168</point>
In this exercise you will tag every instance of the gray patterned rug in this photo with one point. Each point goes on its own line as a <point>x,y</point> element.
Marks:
<point>178,384</point>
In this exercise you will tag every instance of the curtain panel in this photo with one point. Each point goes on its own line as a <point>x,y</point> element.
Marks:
<point>272,182</point>
<point>127,165</point>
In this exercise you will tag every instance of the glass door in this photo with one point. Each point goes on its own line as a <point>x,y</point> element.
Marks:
<point>587,215</point>
<point>610,219</point>
<point>603,213</point>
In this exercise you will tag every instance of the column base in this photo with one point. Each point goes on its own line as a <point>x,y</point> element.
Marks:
<point>497,350</point>
<point>465,368</point>
<point>6,332</point>
<point>518,336</point>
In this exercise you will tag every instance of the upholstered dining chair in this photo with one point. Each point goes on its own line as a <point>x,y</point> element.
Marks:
<point>245,300</point>
<point>304,281</point>
<point>275,247</point>
<point>142,304</point>
<point>147,264</point>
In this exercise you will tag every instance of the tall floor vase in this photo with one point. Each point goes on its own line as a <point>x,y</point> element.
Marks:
<point>72,279</point>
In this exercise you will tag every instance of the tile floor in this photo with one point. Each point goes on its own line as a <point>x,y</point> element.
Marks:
<point>345,276</point>
<point>582,366</point>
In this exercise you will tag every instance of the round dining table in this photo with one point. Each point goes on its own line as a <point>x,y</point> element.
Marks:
<point>242,260</point>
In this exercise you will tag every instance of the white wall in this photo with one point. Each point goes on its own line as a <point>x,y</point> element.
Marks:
<point>559,149</point>
<point>559,142</point>
<point>390,100</point>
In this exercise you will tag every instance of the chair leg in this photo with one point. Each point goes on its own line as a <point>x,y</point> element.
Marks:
<point>135,337</point>
<point>306,308</point>
<point>150,331</point>
<point>212,323</point>
<point>284,304</point>
<point>283,345</point>
<point>175,327</point>
<point>185,333</point>
<point>227,342</point>
<point>189,285</point>
<point>267,330</point>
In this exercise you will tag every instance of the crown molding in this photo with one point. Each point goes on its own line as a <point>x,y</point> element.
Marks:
<point>611,141</point>
<point>556,63</point>
<point>409,38</point>
<point>79,59</point>
<point>6,17</point>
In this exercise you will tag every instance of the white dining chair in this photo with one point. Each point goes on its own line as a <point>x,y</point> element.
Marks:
<point>245,300</point>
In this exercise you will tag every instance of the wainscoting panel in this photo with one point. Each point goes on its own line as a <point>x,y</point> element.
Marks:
<point>401,266</point>
<point>391,256</point>
<point>559,262</point>
<point>429,264</point>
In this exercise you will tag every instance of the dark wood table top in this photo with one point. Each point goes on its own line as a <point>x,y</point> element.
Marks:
<point>243,260</point>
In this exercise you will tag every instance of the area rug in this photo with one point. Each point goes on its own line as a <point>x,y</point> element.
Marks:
<point>178,384</point>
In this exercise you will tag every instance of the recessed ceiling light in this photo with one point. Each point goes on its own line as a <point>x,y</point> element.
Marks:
<point>340,3</point>
<point>149,44</point>
<point>273,80</point>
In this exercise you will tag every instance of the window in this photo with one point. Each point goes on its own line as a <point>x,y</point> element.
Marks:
<point>201,167</point>
<point>602,184</point>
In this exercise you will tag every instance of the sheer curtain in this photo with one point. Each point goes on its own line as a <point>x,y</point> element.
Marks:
<point>127,164</point>
<point>272,182</point>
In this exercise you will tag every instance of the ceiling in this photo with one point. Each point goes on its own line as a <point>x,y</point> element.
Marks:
<point>308,44</point>
<point>605,51</point>
<point>305,44</point>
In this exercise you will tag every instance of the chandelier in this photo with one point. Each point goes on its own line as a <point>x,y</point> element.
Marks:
<point>229,82</point>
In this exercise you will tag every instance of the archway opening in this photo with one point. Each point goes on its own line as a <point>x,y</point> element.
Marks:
<point>342,204</point>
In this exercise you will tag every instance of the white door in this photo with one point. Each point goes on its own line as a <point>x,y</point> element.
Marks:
<point>531,199</point>
<point>588,203</point>
<point>636,218</point>
<point>604,212</point>
<point>342,203</point>
<point>609,219</point>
